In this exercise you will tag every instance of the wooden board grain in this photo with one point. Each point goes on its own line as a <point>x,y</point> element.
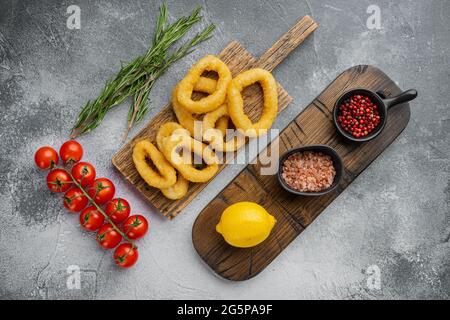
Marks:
<point>238,59</point>
<point>294,213</point>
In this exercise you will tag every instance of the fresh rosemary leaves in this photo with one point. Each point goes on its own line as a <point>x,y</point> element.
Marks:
<point>137,78</point>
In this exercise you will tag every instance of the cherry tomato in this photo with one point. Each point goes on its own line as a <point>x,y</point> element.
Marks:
<point>135,227</point>
<point>58,180</point>
<point>117,209</point>
<point>91,219</point>
<point>102,190</point>
<point>126,255</point>
<point>75,200</point>
<point>84,173</point>
<point>108,237</point>
<point>71,151</point>
<point>46,158</point>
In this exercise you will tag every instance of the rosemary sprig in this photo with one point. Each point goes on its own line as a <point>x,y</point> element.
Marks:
<point>137,77</point>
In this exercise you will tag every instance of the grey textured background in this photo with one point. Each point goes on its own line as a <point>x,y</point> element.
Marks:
<point>395,215</point>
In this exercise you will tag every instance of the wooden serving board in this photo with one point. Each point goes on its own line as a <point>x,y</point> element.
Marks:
<point>294,213</point>
<point>238,59</point>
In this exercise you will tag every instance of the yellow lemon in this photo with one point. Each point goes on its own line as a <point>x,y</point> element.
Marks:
<point>245,224</point>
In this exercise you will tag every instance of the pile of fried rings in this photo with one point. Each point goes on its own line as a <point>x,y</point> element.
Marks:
<point>172,171</point>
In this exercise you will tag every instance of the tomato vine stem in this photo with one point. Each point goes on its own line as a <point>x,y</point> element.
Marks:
<point>99,209</point>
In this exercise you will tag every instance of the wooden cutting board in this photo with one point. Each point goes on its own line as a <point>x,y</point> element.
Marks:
<point>294,213</point>
<point>238,59</point>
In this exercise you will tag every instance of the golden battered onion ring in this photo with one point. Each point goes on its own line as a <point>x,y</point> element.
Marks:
<point>215,136</point>
<point>183,163</point>
<point>166,130</point>
<point>215,99</point>
<point>178,190</point>
<point>166,176</point>
<point>236,102</point>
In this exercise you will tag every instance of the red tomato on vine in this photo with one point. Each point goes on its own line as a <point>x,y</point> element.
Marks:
<point>59,180</point>
<point>71,151</point>
<point>126,255</point>
<point>75,200</point>
<point>102,190</point>
<point>108,237</point>
<point>135,227</point>
<point>118,210</point>
<point>84,173</point>
<point>46,158</point>
<point>91,219</point>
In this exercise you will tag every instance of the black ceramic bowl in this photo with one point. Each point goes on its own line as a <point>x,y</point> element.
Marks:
<point>383,106</point>
<point>337,162</point>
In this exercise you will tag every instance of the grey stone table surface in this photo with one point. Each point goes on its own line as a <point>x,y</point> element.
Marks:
<point>394,218</point>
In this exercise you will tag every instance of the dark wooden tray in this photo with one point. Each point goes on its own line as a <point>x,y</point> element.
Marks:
<point>293,213</point>
<point>238,59</point>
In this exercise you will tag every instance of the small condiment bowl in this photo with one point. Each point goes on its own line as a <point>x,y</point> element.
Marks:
<point>337,163</point>
<point>383,106</point>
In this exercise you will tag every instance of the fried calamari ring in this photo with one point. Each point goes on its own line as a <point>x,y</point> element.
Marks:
<point>215,99</point>
<point>178,190</point>
<point>210,119</point>
<point>166,130</point>
<point>222,124</point>
<point>184,116</point>
<point>187,118</point>
<point>236,102</point>
<point>216,136</point>
<point>206,85</point>
<point>166,176</point>
<point>183,163</point>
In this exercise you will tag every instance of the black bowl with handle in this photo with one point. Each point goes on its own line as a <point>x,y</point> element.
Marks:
<point>383,105</point>
<point>337,163</point>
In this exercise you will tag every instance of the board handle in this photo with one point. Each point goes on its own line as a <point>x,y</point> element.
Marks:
<point>287,43</point>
